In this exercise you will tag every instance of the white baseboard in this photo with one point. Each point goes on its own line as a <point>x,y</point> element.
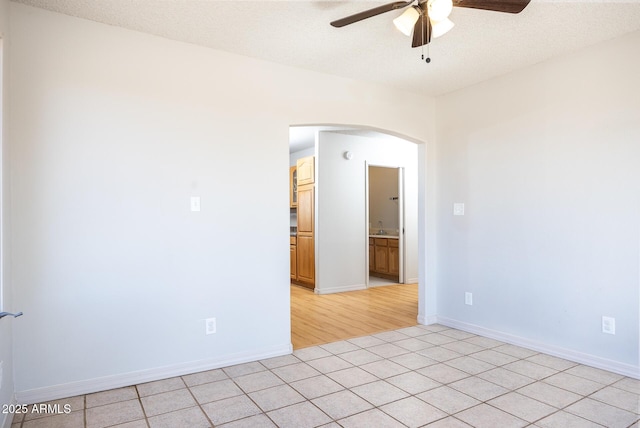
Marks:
<point>557,351</point>
<point>88,386</point>
<point>427,320</point>
<point>411,280</point>
<point>342,289</point>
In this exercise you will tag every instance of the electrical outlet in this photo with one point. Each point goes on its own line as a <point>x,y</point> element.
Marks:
<point>468,298</point>
<point>609,325</point>
<point>210,326</point>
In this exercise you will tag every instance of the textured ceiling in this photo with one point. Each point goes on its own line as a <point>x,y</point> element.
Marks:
<point>481,46</point>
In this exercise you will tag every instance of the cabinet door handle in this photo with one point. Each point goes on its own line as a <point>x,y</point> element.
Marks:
<point>6,314</point>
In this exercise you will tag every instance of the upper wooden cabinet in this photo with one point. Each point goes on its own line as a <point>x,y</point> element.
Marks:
<point>306,170</point>
<point>293,187</point>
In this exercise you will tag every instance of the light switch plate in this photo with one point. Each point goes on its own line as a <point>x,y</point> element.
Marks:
<point>458,208</point>
<point>210,326</point>
<point>195,203</point>
<point>468,298</point>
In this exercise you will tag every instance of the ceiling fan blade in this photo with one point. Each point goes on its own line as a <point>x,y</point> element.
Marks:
<point>370,12</point>
<point>509,6</point>
<point>421,31</point>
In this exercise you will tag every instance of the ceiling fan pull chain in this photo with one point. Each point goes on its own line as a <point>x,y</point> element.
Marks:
<point>428,60</point>
<point>422,31</point>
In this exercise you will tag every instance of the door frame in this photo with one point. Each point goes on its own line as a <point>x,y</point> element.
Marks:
<point>401,219</point>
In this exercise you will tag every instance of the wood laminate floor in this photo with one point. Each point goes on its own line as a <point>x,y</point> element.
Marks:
<point>318,319</point>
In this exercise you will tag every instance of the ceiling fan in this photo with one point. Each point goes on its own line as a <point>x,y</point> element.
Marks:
<point>430,18</point>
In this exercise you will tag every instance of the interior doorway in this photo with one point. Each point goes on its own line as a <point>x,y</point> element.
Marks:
<point>384,187</point>
<point>342,228</point>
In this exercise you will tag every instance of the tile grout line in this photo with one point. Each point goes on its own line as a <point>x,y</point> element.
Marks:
<point>252,400</point>
<point>198,404</point>
<point>144,411</point>
<point>307,400</point>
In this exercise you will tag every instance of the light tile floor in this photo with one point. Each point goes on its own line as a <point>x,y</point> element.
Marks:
<point>419,376</point>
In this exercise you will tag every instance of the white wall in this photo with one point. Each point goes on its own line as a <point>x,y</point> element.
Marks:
<point>547,161</point>
<point>383,185</point>
<point>293,157</point>
<point>341,208</point>
<point>6,297</point>
<point>114,130</point>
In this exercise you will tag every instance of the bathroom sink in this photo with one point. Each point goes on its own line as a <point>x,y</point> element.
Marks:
<point>386,235</point>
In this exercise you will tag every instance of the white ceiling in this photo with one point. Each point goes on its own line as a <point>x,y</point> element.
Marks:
<point>297,33</point>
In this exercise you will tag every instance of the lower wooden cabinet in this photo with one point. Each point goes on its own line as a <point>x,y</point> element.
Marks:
<point>372,254</point>
<point>306,261</point>
<point>394,257</point>
<point>294,258</point>
<point>384,257</point>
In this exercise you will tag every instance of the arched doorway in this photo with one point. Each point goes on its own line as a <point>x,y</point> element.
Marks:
<point>342,230</point>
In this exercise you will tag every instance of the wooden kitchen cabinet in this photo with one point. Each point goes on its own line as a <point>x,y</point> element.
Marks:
<point>394,257</point>
<point>294,257</point>
<point>302,198</point>
<point>293,187</point>
<point>384,258</point>
<point>306,260</point>
<point>306,170</point>
<point>372,254</point>
<point>305,209</point>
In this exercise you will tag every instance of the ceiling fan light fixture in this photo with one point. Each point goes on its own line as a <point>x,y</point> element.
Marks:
<point>439,10</point>
<point>407,20</point>
<point>440,28</point>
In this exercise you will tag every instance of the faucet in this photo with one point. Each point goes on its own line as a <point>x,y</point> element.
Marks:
<point>381,230</point>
